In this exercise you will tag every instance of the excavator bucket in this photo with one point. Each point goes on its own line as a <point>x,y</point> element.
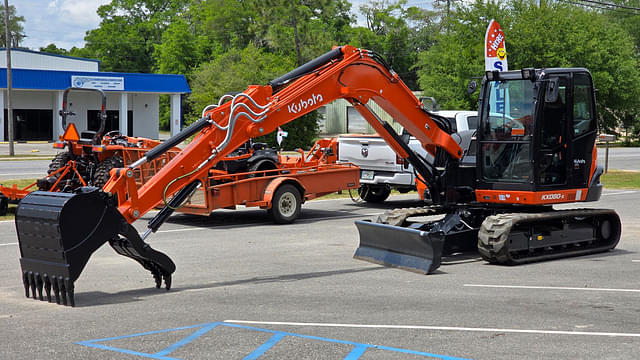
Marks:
<point>58,232</point>
<point>409,249</point>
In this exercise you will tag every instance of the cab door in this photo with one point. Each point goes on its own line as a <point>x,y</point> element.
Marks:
<point>583,130</point>
<point>551,153</point>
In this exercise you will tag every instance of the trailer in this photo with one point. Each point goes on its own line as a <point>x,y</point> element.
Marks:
<point>281,191</point>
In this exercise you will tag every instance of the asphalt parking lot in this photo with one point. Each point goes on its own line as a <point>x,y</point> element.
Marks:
<point>247,289</point>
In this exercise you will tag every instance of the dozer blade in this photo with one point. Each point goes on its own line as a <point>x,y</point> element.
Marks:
<point>58,232</point>
<point>395,246</point>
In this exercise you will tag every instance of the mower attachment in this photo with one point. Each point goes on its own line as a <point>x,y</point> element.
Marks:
<point>58,232</point>
<point>409,249</point>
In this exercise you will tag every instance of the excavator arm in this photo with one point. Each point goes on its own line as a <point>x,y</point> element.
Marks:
<point>58,232</point>
<point>345,72</point>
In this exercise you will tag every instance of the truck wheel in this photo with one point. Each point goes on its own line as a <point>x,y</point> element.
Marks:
<point>101,175</point>
<point>60,160</point>
<point>4,205</point>
<point>373,193</point>
<point>286,204</point>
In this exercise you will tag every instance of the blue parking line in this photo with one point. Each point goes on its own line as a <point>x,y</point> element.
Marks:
<point>188,339</point>
<point>358,348</point>
<point>264,347</point>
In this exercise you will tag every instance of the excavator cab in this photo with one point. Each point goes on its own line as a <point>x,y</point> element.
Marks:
<point>537,132</point>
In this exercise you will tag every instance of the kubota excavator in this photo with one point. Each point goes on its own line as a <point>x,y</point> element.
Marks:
<point>534,148</point>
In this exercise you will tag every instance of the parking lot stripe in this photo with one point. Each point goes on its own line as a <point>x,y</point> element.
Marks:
<point>552,288</point>
<point>635,260</point>
<point>440,328</point>
<point>264,347</point>
<point>8,244</point>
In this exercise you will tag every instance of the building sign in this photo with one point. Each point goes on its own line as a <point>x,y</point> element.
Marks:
<point>98,82</point>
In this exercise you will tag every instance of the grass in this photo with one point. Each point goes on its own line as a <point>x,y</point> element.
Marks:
<point>21,183</point>
<point>617,179</point>
<point>614,179</point>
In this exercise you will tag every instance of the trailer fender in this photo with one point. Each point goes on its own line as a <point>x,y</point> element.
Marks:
<point>270,190</point>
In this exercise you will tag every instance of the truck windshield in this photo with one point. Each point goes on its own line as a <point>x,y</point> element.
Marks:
<point>509,110</point>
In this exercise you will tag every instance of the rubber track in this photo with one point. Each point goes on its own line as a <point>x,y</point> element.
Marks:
<point>495,230</point>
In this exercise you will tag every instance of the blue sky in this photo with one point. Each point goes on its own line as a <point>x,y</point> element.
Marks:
<point>64,22</point>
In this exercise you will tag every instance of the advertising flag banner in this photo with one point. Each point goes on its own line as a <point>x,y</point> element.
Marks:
<point>495,53</point>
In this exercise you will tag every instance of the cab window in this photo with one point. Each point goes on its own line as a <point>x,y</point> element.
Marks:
<point>583,119</point>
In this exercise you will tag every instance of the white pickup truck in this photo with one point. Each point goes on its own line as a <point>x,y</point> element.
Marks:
<point>381,170</point>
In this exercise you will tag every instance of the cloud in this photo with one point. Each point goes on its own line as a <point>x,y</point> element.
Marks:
<point>61,22</point>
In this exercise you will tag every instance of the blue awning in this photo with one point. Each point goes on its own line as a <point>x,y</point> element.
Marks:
<point>28,79</point>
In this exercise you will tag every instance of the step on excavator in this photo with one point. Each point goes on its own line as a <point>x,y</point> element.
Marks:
<point>493,189</point>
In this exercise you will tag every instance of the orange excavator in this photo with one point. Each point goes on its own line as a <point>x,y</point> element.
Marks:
<point>494,189</point>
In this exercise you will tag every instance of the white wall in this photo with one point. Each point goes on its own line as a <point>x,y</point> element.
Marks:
<point>145,108</point>
<point>29,60</point>
<point>145,114</point>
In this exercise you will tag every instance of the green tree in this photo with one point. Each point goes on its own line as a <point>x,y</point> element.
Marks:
<point>16,31</point>
<point>128,32</point>
<point>576,38</point>
<point>580,38</point>
<point>233,71</point>
<point>458,55</point>
<point>389,33</point>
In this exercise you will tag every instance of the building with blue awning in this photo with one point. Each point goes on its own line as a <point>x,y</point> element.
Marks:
<point>39,80</point>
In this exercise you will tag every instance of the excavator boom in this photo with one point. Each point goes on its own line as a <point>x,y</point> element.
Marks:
<point>59,232</point>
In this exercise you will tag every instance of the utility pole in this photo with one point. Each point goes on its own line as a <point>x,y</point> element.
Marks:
<point>9,82</point>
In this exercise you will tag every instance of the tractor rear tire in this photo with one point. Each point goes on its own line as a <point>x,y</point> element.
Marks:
<point>374,193</point>
<point>262,165</point>
<point>4,205</point>
<point>101,175</point>
<point>286,204</point>
<point>59,161</point>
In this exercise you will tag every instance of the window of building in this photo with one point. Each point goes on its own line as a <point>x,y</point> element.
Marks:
<point>30,124</point>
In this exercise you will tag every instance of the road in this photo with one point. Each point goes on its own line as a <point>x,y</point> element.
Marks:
<point>245,288</point>
<point>621,158</point>
<point>23,169</point>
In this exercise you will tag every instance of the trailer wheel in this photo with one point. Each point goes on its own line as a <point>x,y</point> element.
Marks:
<point>286,204</point>
<point>374,194</point>
<point>4,205</point>
<point>101,175</point>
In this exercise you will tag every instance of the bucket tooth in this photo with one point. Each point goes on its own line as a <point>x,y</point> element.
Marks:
<point>56,290</point>
<point>25,282</point>
<point>47,287</point>
<point>167,281</point>
<point>39,285</point>
<point>32,284</point>
<point>63,291</point>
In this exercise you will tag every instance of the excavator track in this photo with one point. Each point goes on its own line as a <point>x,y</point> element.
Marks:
<point>517,238</point>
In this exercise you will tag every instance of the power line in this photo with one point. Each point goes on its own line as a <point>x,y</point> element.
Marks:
<point>610,4</point>
<point>597,7</point>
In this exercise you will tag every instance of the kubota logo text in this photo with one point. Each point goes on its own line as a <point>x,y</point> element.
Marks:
<point>552,196</point>
<point>304,104</point>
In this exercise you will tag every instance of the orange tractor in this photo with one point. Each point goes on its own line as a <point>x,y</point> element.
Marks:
<point>86,158</point>
<point>494,188</point>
